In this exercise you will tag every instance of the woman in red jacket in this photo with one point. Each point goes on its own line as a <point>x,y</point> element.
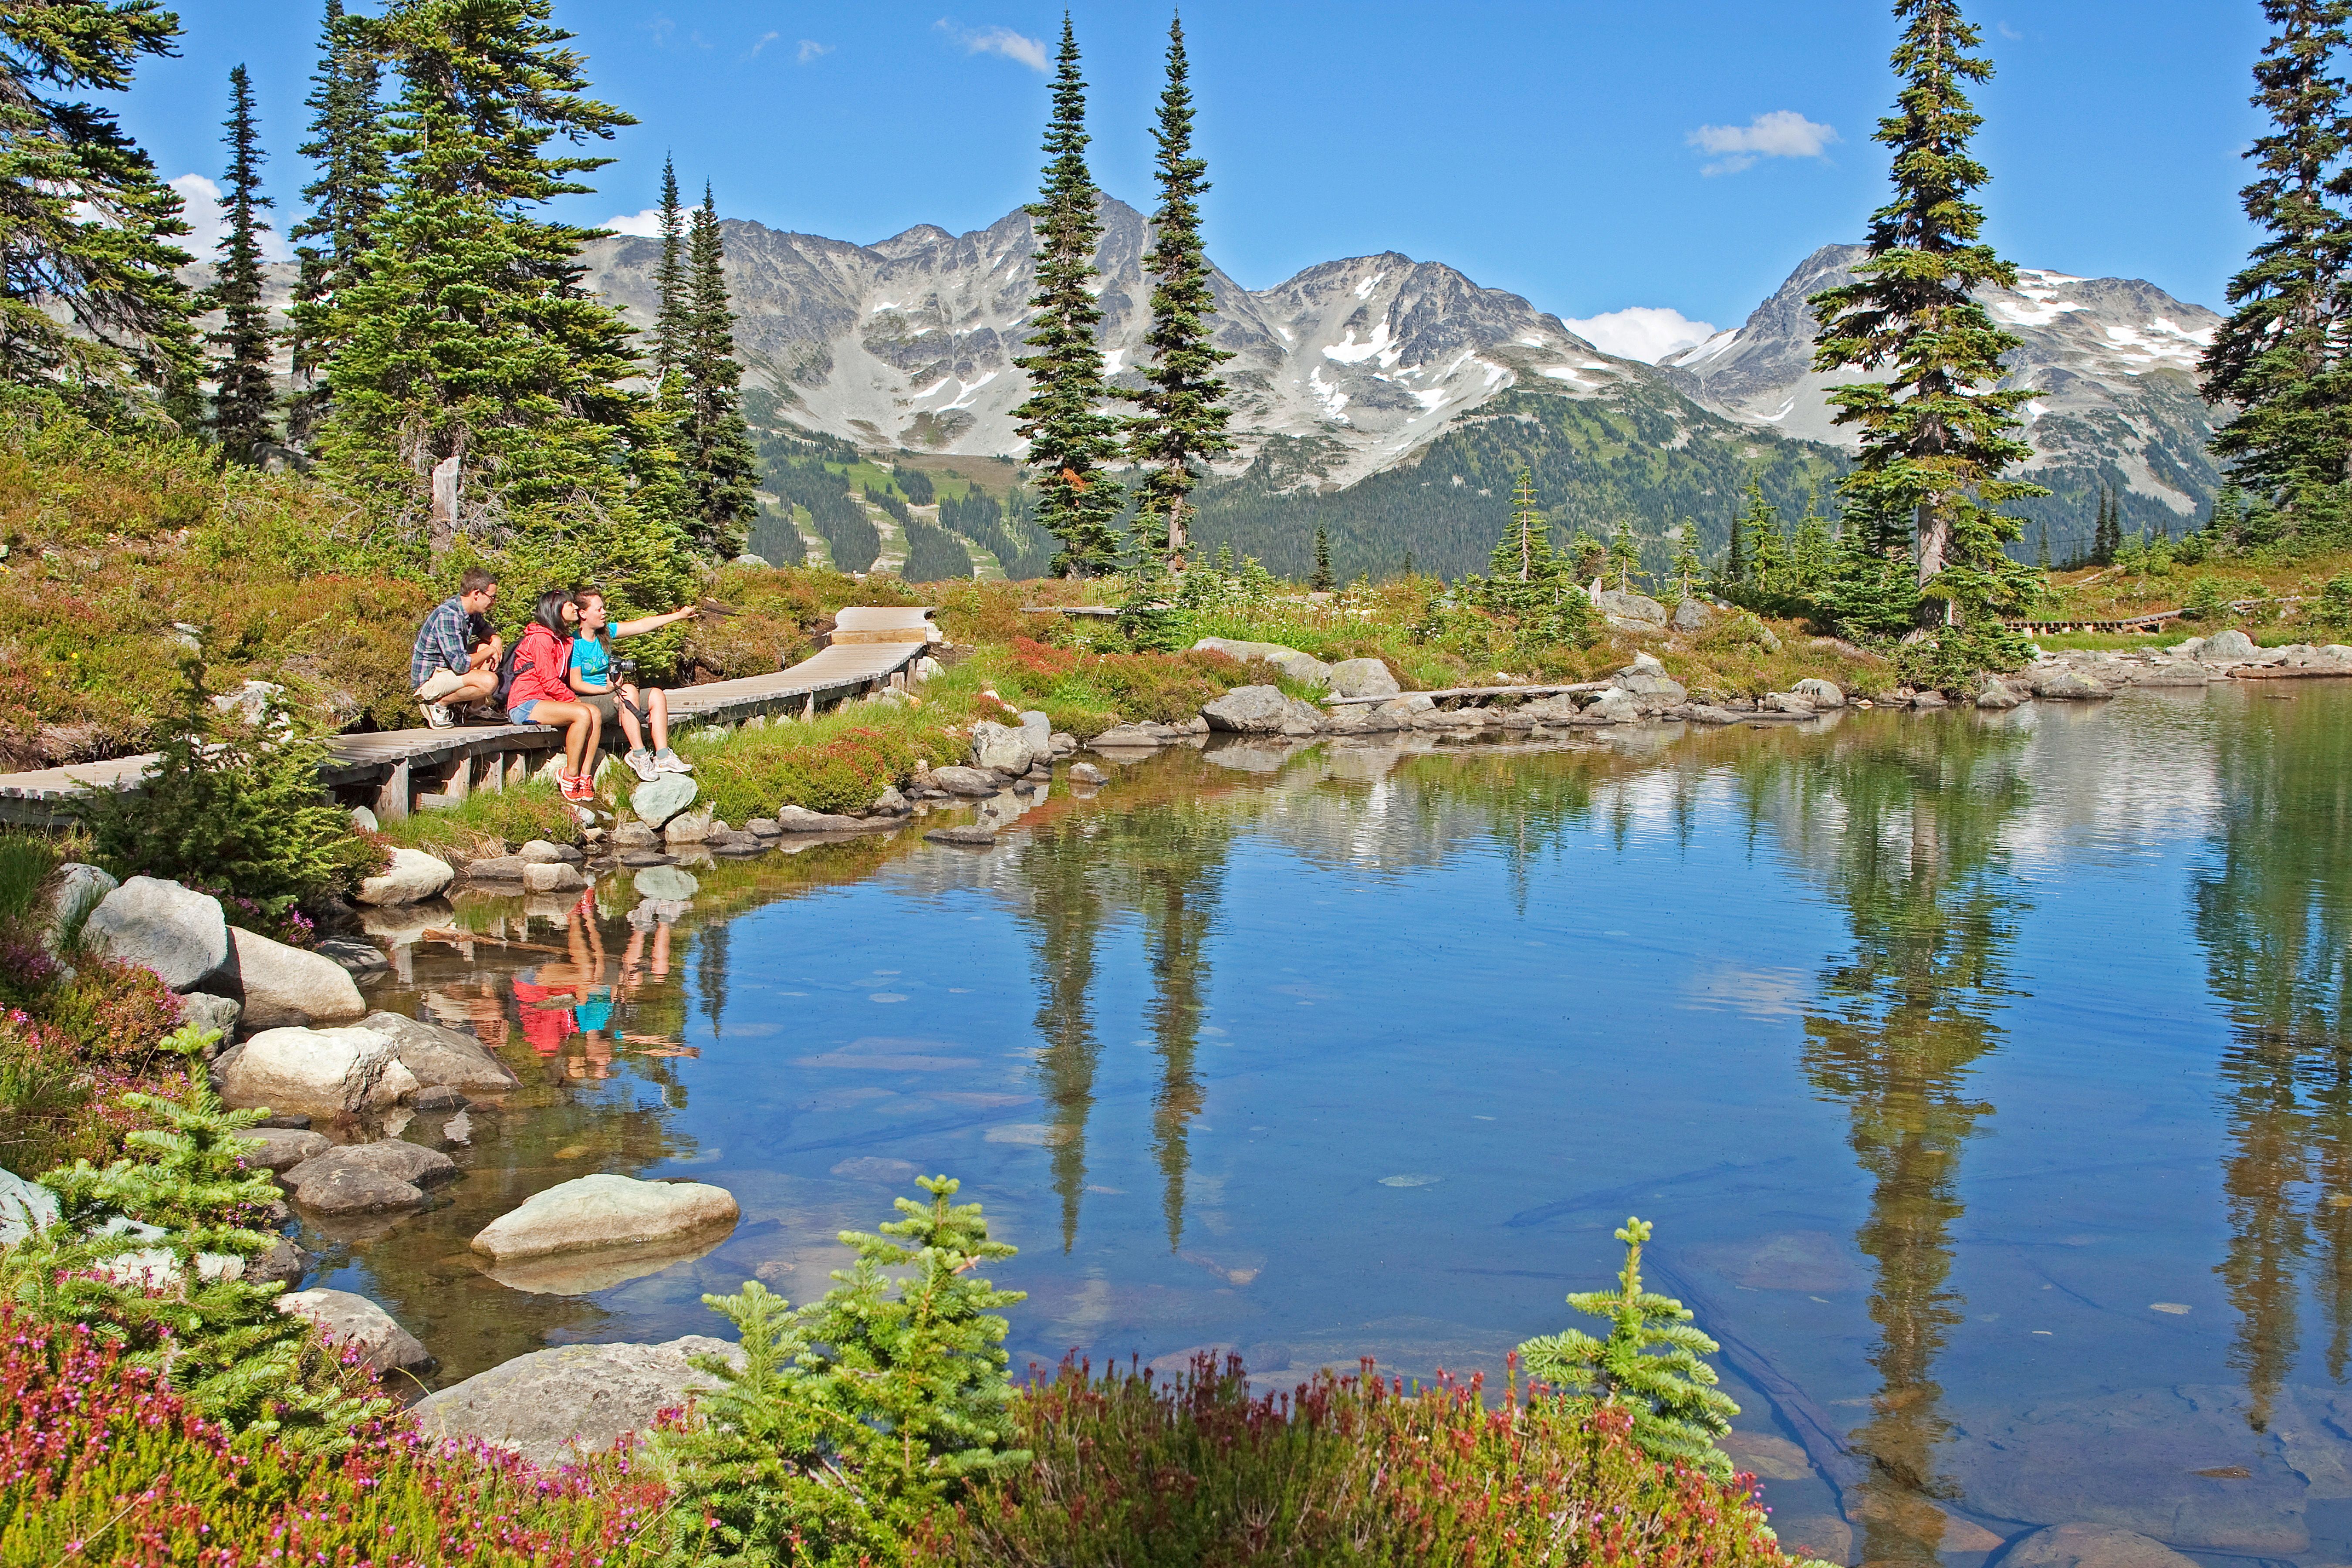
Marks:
<point>540,694</point>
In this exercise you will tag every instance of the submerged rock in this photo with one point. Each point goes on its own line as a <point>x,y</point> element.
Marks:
<point>551,1405</point>
<point>968,836</point>
<point>174,931</point>
<point>2091,1546</point>
<point>1087,774</point>
<point>605,1211</point>
<point>354,1322</point>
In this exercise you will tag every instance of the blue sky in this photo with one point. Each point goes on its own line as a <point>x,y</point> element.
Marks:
<point>1677,155</point>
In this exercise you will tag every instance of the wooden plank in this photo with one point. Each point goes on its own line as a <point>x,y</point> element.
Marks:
<point>391,799</point>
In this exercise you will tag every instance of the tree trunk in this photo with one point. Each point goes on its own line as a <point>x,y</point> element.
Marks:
<point>1176,529</point>
<point>1935,534</point>
<point>444,532</point>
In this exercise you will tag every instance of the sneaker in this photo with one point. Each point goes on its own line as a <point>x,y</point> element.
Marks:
<point>669,762</point>
<point>437,715</point>
<point>641,762</point>
<point>576,788</point>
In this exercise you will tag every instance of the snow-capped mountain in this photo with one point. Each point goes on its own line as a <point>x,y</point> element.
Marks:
<point>909,342</point>
<point>2114,360</point>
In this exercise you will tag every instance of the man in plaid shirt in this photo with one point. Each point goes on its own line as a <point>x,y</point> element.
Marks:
<point>456,659</point>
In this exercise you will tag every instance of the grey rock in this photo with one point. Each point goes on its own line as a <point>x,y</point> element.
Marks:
<point>763,828</point>
<point>1692,616</point>
<point>1930,699</point>
<point>440,1097</point>
<point>890,802</point>
<point>74,890</point>
<point>413,877</point>
<point>328,1071</point>
<point>2167,672</point>
<point>968,836</point>
<point>665,882</point>
<point>1039,731</point>
<point>1649,683</point>
<point>639,860</point>
<point>1631,612</point>
<point>1614,706</point>
<point>799,819</point>
<point>206,1011</point>
<point>250,702</point>
<point>657,800</point>
<point>1362,678</point>
<point>2060,685</point>
<point>748,559</point>
<point>1130,737</point>
<point>348,1322</point>
<point>605,1211</point>
<point>1004,748</point>
<point>280,1149</point>
<point>1261,710</point>
<point>1064,743</point>
<point>163,926</point>
<point>2227,647</point>
<point>358,958</point>
<point>1297,666</point>
<point>25,1207</point>
<point>550,1405</point>
<point>552,877</point>
<point>496,868</point>
<point>632,835</point>
<point>1708,713</point>
<point>686,827</point>
<point>283,1263</point>
<point>442,1058</point>
<point>1087,774</point>
<point>2090,1546</point>
<point>394,1157</point>
<point>344,1189</point>
<point>969,782</point>
<point>284,985</point>
<point>1997,696</point>
<point>539,852</point>
<point>1822,694</point>
<point>364,820</point>
<point>1788,703</point>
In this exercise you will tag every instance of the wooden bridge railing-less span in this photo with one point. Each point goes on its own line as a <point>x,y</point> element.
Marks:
<point>397,772</point>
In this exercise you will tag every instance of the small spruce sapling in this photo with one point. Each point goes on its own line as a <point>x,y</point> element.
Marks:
<point>1649,1364</point>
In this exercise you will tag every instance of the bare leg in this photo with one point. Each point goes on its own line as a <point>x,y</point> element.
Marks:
<point>629,726</point>
<point>658,709</point>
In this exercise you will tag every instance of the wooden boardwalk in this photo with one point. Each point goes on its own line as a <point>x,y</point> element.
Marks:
<point>395,772</point>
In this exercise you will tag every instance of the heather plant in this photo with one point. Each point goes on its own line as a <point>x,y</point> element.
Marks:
<point>1649,1365</point>
<point>851,1418</point>
<point>2333,613</point>
<point>150,1252</point>
<point>233,807</point>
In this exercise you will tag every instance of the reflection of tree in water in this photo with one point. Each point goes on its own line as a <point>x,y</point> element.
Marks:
<point>710,970</point>
<point>1162,860</point>
<point>1524,811</point>
<point>2270,912</point>
<point>1896,1034</point>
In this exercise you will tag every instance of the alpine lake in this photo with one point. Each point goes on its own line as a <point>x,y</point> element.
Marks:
<point>1986,1077</point>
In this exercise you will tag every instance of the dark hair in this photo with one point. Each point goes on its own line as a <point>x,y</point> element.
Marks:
<point>548,612</point>
<point>476,579</point>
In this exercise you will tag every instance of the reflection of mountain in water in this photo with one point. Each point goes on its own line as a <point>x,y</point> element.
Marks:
<point>2272,910</point>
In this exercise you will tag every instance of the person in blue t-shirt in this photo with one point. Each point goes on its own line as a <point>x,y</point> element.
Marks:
<point>637,710</point>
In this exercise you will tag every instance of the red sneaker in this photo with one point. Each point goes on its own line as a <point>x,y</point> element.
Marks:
<point>576,788</point>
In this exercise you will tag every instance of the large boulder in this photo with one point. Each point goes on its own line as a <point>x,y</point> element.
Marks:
<point>1649,683</point>
<point>174,931</point>
<point>2062,685</point>
<point>354,1322</point>
<point>1297,666</point>
<point>1822,694</point>
<point>1614,706</point>
<point>1631,612</point>
<point>970,782</point>
<point>1363,678</point>
<point>280,1149</point>
<point>549,1405</point>
<point>2091,1546</point>
<point>1262,710</point>
<point>394,1157</point>
<point>659,799</point>
<point>552,877</point>
<point>605,1211</point>
<point>74,890</point>
<point>1692,616</point>
<point>1038,730</point>
<point>284,985</point>
<point>25,1207</point>
<point>328,1071</point>
<point>1002,748</point>
<point>411,877</point>
<point>2227,647</point>
<point>439,1057</point>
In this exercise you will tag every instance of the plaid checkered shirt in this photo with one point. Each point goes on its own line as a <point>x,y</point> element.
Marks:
<point>441,643</point>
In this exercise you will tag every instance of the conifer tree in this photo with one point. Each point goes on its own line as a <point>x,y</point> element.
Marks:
<point>1686,568</point>
<point>1183,417</point>
<point>1625,556</point>
<point>242,405</point>
<point>2042,547</point>
<point>1872,593</point>
<point>1070,438</point>
<point>1524,569</point>
<point>346,149</point>
<point>89,231</point>
<point>1735,563</point>
<point>469,339</point>
<point>1649,1365</point>
<point>2280,354</point>
<point>1939,435</point>
<point>1322,582</point>
<point>1811,550</point>
<point>672,318</point>
<point>1767,556</point>
<point>722,470</point>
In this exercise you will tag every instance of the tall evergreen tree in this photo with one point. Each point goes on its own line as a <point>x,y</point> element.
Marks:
<point>243,402</point>
<point>1811,550</point>
<point>469,345</point>
<point>346,149</point>
<point>86,228</point>
<point>1939,435</point>
<point>672,317</point>
<point>1686,568</point>
<point>1070,437</point>
<point>1625,556</point>
<point>1322,582</point>
<point>1183,417</point>
<point>2279,357</point>
<point>1764,549</point>
<point>721,470</point>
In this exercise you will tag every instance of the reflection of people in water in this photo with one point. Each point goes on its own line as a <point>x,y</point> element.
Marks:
<point>552,997</point>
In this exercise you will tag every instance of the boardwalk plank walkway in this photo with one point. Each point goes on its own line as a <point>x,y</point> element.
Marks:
<point>394,772</point>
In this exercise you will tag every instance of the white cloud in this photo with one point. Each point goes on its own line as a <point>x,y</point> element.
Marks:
<point>766,39</point>
<point>1013,45</point>
<point>645,225</point>
<point>1645,333</point>
<point>201,201</point>
<point>1783,134</point>
<point>811,50</point>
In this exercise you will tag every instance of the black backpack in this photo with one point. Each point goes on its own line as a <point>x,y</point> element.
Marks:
<point>506,675</point>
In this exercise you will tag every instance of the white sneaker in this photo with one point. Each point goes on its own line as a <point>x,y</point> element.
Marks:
<point>669,762</point>
<point>437,716</point>
<point>641,762</point>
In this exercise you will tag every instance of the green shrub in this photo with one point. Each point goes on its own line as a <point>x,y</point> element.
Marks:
<point>26,860</point>
<point>2212,598</point>
<point>514,814</point>
<point>2333,611</point>
<point>837,766</point>
<point>233,808</point>
<point>852,1418</point>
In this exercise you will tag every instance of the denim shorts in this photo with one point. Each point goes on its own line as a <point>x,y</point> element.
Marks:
<point>521,712</point>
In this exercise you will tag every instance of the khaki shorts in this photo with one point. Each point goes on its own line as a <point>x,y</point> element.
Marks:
<point>607,705</point>
<point>439,684</point>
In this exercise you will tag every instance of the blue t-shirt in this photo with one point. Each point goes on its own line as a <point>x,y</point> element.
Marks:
<point>592,661</point>
<point>595,1010</point>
